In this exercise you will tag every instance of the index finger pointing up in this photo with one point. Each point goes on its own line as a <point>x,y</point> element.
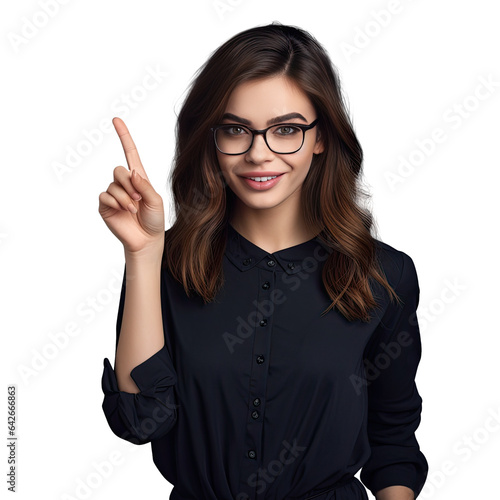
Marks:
<point>131,153</point>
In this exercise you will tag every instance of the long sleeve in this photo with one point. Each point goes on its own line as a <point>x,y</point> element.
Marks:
<point>394,404</point>
<point>263,376</point>
<point>151,413</point>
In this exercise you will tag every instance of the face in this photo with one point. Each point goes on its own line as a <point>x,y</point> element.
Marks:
<point>254,104</point>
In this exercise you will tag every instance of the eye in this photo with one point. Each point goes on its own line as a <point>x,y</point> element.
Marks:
<point>286,130</point>
<point>233,130</point>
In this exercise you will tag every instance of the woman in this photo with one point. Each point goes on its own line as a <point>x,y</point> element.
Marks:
<point>267,343</point>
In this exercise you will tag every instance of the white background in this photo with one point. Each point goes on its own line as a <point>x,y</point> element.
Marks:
<point>404,74</point>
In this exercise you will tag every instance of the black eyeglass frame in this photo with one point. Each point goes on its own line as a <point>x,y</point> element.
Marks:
<point>263,132</point>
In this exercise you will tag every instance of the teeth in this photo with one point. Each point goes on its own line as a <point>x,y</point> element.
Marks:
<point>262,179</point>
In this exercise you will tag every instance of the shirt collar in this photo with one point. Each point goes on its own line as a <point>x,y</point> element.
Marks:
<point>245,255</point>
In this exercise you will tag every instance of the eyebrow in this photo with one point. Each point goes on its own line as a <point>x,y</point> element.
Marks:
<point>272,121</point>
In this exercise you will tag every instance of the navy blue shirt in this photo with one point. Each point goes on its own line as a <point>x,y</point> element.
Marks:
<point>257,395</point>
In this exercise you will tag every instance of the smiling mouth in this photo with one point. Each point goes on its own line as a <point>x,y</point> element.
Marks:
<point>262,178</point>
<point>263,183</point>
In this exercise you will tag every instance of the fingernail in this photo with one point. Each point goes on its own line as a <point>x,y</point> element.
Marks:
<point>136,196</point>
<point>132,208</point>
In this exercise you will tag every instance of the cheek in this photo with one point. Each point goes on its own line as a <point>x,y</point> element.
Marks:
<point>220,160</point>
<point>302,163</point>
<point>225,163</point>
<point>225,168</point>
<point>222,164</point>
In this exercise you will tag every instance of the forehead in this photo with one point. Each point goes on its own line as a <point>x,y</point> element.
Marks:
<point>260,100</point>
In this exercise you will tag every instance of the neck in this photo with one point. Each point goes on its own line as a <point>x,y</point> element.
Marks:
<point>271,229</point>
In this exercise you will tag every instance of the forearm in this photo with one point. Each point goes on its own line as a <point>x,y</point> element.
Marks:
<point>395,493</point>
<point>141,333</point>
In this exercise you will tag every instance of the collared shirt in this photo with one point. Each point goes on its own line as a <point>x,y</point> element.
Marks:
<point>258,395</point>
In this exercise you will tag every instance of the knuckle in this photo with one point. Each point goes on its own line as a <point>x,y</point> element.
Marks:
<point>118,171</point>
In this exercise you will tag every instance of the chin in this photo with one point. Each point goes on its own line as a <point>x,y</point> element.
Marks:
<point>262,204</point>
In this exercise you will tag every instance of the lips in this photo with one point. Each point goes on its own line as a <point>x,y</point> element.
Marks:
<point>261,174</point>
<point>262,185</point>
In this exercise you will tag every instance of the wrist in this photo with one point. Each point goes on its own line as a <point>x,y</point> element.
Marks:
<point>149,255</point>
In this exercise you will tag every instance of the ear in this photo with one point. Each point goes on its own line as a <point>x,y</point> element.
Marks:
<point>319,147</point>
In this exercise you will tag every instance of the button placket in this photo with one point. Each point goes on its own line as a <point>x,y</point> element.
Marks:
<point>259,371</point>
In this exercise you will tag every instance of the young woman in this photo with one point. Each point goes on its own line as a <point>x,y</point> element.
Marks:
<point>267,342</point>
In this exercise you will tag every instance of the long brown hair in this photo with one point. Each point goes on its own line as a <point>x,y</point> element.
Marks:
<point>331,194</point>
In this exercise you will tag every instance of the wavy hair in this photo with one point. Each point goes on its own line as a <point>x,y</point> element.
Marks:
<point>331,192</point>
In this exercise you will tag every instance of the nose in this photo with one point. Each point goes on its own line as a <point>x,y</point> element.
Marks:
<point>259,152</point>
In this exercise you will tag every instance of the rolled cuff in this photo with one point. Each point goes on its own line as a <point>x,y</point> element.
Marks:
<point>149,414</point>
<point>400,471</point>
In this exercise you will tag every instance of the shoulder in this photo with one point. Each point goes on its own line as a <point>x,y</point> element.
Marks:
<point>398,267</point>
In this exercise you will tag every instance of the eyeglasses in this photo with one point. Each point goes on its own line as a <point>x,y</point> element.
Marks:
<point>283,139</point>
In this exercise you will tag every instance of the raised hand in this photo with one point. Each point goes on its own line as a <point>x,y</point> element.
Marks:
<point>130,207</point>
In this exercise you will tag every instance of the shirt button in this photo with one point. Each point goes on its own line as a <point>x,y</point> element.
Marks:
<point>266,285</point>
<point>246,262</point>
<point>255,414</point>
<point>260,359</point>
<point>256,402</point>
<point>291,265</point>
<point>252,454</point>
<point>271,263</point>
<point>263,322</point>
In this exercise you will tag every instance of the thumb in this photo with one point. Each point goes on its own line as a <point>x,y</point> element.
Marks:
<point>144,188</point>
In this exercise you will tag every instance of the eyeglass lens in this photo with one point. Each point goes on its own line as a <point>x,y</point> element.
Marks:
<point>234,139</point>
